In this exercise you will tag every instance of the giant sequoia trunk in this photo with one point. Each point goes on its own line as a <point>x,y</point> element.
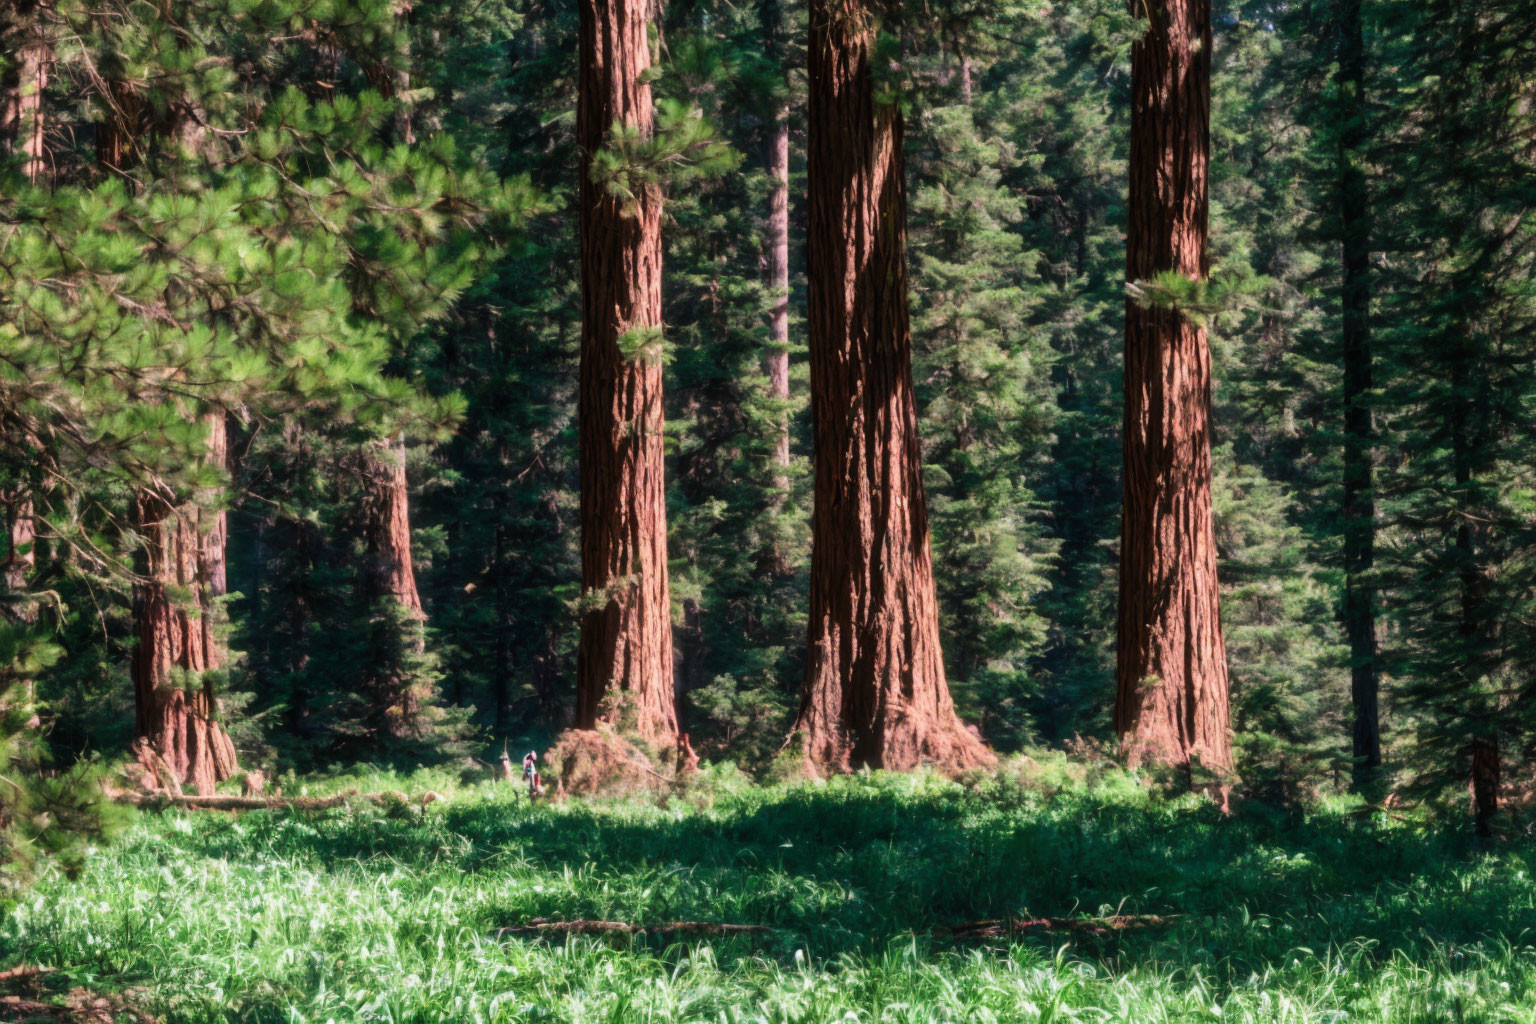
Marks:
<point>1171,705</point>
<point>1359,492</point>
<point>624,663</point>
<point>397,691</point>
<point>875,692</point>
<point>387,528</point>
<point>181,576</point>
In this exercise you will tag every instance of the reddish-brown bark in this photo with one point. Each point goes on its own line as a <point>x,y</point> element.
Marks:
<point>181,574</point>
<point>1171,703</point>
<point>387,528</point>
<point>21,91</point>
<point>21,134</point>
<point>875,691</point>
<point>624,663</point>
<point>397,695</point>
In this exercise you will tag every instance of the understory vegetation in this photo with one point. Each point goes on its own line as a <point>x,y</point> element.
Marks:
<point>363,914</point>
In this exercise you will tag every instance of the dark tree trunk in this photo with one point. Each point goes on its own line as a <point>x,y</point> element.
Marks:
<point>1485,785</point>
<point>501,682</point>
<point>1359,491</point>
<point>875,692</point>
<point>181,574</point>
<point>624,664</point>
<point>1171,704</point>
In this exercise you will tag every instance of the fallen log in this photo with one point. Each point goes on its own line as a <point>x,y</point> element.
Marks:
<point>544,926</point>
<point>1004,927</point>
<point>225,802</point>
<point>25,972</point>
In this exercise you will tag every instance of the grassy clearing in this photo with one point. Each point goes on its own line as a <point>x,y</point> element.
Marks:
<point>363,915</point>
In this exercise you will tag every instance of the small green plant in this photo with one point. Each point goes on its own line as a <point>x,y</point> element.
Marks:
<point>354,914</point>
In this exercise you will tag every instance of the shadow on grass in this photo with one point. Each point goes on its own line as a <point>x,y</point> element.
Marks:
<point>853,866</point>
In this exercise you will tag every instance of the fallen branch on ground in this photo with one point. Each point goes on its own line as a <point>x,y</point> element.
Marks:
<point>544,926</point>
<point>222,802</point>
<point>1003,927</point>
<point>79,1007</point>
<point>25,972</point>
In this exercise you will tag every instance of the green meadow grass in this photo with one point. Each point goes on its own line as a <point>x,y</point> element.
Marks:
<point>369,915</point>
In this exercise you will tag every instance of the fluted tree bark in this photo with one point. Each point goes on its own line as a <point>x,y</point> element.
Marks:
<point>180,572</point>
<point>1171,704</point>
<point>180,577</point>
<point>875,691</point>
<point>624,662</point>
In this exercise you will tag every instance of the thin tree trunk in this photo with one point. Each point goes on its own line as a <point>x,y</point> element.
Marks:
<point>624,664</point>
<point>21,92</point>
<point>20,536</point>
<point>501,682</point>
<point>393,82</point>
<point>1485,785</point>
<point>1359,494</point>
<point>1171,704</point>
<point>21,134</point>
<point>778,284</point>
<point>875,692</point>
<point>777,262</point>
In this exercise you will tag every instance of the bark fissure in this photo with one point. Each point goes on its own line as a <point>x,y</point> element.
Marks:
<point>181,576</point>
<point>624,661</point>
<point>1171,704</point>
<point>875,691</point>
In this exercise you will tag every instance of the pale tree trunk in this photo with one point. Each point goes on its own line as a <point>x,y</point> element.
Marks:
<point>778,284</point>
<point>21,92</point>
<point>624,662</point>
<point>777,250</point>
<point>1171,704</point>
<point>875,691</point>
<point>181,574</point>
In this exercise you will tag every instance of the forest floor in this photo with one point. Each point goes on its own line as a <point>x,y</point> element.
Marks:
<point>880,899</point>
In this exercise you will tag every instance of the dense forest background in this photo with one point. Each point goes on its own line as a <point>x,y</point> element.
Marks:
<point>1372,190</point>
